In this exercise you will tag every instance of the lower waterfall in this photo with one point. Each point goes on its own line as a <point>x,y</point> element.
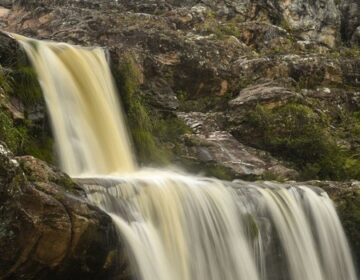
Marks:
<point>178,226</point>
<point>185,228</point>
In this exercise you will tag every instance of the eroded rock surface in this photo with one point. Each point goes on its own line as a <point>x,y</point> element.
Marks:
<point>47,229</point>
<point>211,143</point>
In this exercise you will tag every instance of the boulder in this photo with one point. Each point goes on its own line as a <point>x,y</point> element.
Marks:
<point>47,228</point>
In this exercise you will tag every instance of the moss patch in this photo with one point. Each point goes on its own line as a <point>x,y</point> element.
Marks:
<point>20,139</point>
<point>151,131</point>
<point>26,86</point>
<point>24,137</point>
<point>5,83</point>
<point>14,137</point>
<point>300,135</point>
<point>210,102</point>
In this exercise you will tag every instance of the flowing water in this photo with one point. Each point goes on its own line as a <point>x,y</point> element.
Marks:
<point>177,226</point>
<point>80,96</point>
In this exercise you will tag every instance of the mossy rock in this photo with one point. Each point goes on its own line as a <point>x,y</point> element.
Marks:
<point>19,85</point>
<point>151,131</point>
<point>300,134</point>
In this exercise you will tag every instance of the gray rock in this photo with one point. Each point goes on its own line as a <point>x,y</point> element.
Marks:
<point>263,93</point>
<point>350,23</point>
<point>211,143</point>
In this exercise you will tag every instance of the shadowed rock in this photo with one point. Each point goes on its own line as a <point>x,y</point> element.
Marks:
<point>48,230</point>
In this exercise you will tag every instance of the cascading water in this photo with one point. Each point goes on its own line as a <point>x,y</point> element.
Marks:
<point>89,131</point>
<point>176,226</point>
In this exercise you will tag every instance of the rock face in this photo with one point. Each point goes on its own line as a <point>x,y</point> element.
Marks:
<point>350,26</point>
<point>47,230</point>
<point>211,143</point>
<point>218,58</point>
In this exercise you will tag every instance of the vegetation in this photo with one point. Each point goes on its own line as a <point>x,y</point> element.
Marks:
<point>5,84</point>
<point>41,147</point>
<point>204,103</point>
<point>23,137</point>
<point>298,134</point>
<point>221,30</point>
<point>150,133</point>
<point>13,137</point>
<point>26,86</point>
<point>20,139</point>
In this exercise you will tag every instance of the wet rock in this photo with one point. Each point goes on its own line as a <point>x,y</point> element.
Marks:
<point>47,229</point>
<point>9,51</point>
<point>162,95</point>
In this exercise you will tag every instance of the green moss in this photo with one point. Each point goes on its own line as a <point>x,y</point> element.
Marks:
<point>21,141</point>
<point>219,172</point>
<point>150,131</point>
<point>128,78</point>
<point>170,128</point>
<point>26,86</point>
<point>5,81</point>
<point>271,176</point>
<point>285,24</point>
<point>220,29</point>
<point>41,148</point>
<point>353,52</point>
<point>66,182</point>
<point>204,103</point>
<point>298,134</point>
<point>14,137</point>
<point>22,137</point>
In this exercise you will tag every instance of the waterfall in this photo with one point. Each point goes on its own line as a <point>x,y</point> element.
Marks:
<point>79,92</point>
<point>177,226</point>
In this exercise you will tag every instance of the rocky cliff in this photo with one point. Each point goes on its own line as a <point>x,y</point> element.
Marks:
<point>224,75</point>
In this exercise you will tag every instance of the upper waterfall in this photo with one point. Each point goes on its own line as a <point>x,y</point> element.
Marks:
<point>90,134</point>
